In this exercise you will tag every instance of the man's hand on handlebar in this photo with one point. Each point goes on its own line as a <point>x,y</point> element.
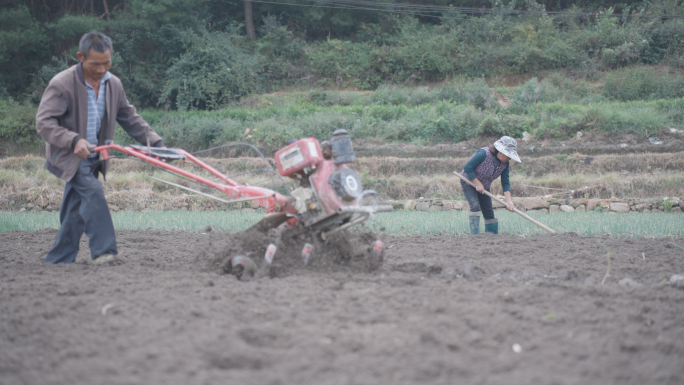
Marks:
<point>82,149</point>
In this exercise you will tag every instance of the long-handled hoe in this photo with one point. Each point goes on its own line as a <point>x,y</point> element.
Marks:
<point>504,203</point>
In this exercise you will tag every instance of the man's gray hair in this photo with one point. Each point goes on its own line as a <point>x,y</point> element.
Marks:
<point>95,40</point>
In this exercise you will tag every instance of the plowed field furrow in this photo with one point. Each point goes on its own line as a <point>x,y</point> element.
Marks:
<point>441,310</point>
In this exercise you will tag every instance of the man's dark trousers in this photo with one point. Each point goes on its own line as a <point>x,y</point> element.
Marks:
<point>84,209</point>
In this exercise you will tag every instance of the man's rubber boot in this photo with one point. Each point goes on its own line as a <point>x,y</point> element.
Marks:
<point>474,225</point>
<point>492,228</point>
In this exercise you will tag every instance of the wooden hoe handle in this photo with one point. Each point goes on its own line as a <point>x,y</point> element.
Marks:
<point>504,203</point>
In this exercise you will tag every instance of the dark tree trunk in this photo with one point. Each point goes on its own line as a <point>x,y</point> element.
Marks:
<point>106,9</point>
<point>249,20</point>
<point>92,7</point>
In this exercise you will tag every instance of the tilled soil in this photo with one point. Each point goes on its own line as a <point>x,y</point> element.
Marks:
<point>441,310</point>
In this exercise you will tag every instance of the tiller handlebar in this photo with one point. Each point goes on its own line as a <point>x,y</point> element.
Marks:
<point>269,199</point>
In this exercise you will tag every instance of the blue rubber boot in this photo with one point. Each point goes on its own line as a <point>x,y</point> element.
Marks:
<point>474,225</point>
<point>492,228</point>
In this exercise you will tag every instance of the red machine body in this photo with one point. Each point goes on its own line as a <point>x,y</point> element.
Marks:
<point>327,196</point>
<point>300,157</point>
<point>303,160</point>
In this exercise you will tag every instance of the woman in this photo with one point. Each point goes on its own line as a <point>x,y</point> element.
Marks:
<point>487,164</point>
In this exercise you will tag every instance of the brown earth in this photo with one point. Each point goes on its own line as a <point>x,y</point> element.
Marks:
<point>441,310</point>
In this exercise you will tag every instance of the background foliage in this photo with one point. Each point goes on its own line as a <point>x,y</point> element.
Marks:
<point>179,52</point>
<point>193,55</point>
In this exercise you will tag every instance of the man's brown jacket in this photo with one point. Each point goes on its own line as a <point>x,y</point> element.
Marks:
<point>62,119</point>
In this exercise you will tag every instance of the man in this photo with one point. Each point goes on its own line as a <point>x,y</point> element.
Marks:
<point>77,112</point>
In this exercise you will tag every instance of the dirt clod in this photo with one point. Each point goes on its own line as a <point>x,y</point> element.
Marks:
<point>342,251</point>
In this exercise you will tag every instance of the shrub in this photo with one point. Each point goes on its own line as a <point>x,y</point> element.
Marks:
<point>22,48</point>
<point>424,52</point>
<point>213,71</point>
<point>193,133</point>
<point>632,118</point>
<point>642,83</point>
<point>18,126</point>
<point>340,98</point>
<point>282,53</point>
<point>67,31</point>
<point>343,64</point>
<point>42,78</point>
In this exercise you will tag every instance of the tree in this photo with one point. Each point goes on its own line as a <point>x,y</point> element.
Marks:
<point>23,46</point>
<point>249,20</point>
<point>106,9</point>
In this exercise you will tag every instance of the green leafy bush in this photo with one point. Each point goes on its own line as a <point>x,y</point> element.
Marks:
<point>213,71</point>
<point>66,32</point>
<point>18,127</point>
<point>643,83</point>
<point>176,53</point>
<point>282,53</point>
<point>22,48</point>
<point>42,78</point>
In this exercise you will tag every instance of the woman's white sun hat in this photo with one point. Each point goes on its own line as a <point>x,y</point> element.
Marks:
<point>508,146</point>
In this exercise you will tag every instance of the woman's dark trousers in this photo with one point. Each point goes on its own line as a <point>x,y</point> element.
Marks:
<point>480,203</point>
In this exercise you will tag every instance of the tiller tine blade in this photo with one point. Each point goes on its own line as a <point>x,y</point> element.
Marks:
<point>270,221</point>
<point>249,268</point>
<point>377,255</point>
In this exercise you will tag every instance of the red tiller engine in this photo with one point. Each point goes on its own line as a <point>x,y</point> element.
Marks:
<point>330,194</point>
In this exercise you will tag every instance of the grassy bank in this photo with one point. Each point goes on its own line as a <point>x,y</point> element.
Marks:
<point>556,107</point>
<point>401,223</point>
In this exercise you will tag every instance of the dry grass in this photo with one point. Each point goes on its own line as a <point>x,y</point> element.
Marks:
<point>24,179</point>
<point>384,166</point>
<point>605,185</point>
<point>577,163</point>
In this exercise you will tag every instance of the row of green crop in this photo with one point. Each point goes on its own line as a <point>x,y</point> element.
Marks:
<point>402,223</point>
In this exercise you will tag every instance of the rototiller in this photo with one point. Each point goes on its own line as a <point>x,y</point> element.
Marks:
<point>329,197</point>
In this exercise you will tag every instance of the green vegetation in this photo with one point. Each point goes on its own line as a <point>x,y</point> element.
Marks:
<point>18,125</point>
<point>196,54</point>
<point>194,221</point>
<point>584,224</point>
<point>554,108</point>
<point>639,83</point>
<point>452,112</point>
<point>401,223</point>
<point>193,59</point>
